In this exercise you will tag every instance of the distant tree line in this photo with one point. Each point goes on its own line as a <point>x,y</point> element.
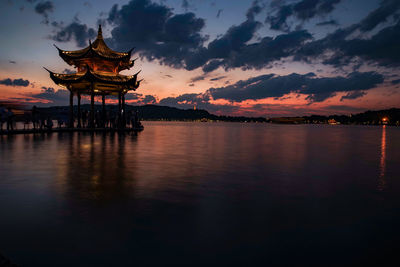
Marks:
<point>164,113</point>
<point>154,112</point>
<point>387,116</point>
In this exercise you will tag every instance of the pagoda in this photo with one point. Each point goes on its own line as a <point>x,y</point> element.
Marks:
<point>97,74</point>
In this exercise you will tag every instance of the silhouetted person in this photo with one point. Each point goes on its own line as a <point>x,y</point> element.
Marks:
<point>60,122</point>
<point>108,118</point>
<point>35,117</point>
<point>84,118</point>
<point>42,123</point>
<point>10,120</point>
<point>132,118</point>
<point>27,120</point>
<point>90,122</point>
<point>2,118</point>
<point>98,119</point>
<point>49,123</point>
<point>114,121</point>
<point>136,119</point>
<point>128,119</point>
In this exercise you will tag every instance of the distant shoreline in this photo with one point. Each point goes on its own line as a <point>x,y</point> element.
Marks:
<point>165,113</point>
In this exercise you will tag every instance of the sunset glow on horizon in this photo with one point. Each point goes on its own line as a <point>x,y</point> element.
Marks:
<point>227,57</point>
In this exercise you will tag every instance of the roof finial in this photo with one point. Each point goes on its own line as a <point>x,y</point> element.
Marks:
<point>100,33</point>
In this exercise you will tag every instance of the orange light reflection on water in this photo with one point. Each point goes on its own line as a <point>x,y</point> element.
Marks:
<point>382,163</point>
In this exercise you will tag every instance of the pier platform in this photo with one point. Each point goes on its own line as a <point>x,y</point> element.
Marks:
<point>70,130</point>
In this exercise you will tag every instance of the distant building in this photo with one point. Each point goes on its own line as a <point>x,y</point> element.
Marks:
<point>332,121</point>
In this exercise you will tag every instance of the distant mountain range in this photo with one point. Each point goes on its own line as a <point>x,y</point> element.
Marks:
<point>155,112</point>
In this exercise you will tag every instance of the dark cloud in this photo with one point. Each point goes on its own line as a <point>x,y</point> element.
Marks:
<point>380,15</point>
<point>308,9</point>
<point>197,78</point>
<point>278,22</point>
<point>201,101</point>
<point>149,99</point>
<point>75,31</point>
<point>44,8</point>
<point>303,10</point>
<point>338,49</point>
<point>353,95</point>
<point>113,14</point>
<point>48,90</point>
<point>316,89</point>
<point>59,97</point>
<point>187,100</point>
<point>259,55</point>
<point>232,49</point>
<point>331,22</point>
<point>395,81</point>
<point>342,47</point>
<point>133,96</point>
<point>218,78</point>
<point>170,38</point>
<point>15,82</point>
<point>255,9</point>
<point>140,99</point>
<point>177,40</point>
<point>234,40</point>
<point>212,65</point>
<point>12,62</point>
<point>219,12</point>
<point>185,5</point>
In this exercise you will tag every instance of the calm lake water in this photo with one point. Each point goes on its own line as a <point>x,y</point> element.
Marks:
<point>202,194</point>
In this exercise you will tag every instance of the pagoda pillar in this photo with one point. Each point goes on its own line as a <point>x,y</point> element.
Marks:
<point>123,111</point>
<point>79,111</point>
<point>103,100</point>
<point>71,109</point>
<point>119,109</point>
<point>92,108</point>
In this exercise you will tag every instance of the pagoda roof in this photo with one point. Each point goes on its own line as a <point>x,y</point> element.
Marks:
<point>96,49</point>
<point>95,76</point>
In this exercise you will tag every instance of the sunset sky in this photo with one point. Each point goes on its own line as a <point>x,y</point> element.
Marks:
<point>236,57</point>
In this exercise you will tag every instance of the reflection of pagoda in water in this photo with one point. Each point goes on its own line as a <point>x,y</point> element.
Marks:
<point>97,74</point>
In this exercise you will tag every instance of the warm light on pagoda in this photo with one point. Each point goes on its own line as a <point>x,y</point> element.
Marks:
<point>98,75</point>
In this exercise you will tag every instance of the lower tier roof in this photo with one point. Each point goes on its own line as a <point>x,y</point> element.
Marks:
<point>100,82</point>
